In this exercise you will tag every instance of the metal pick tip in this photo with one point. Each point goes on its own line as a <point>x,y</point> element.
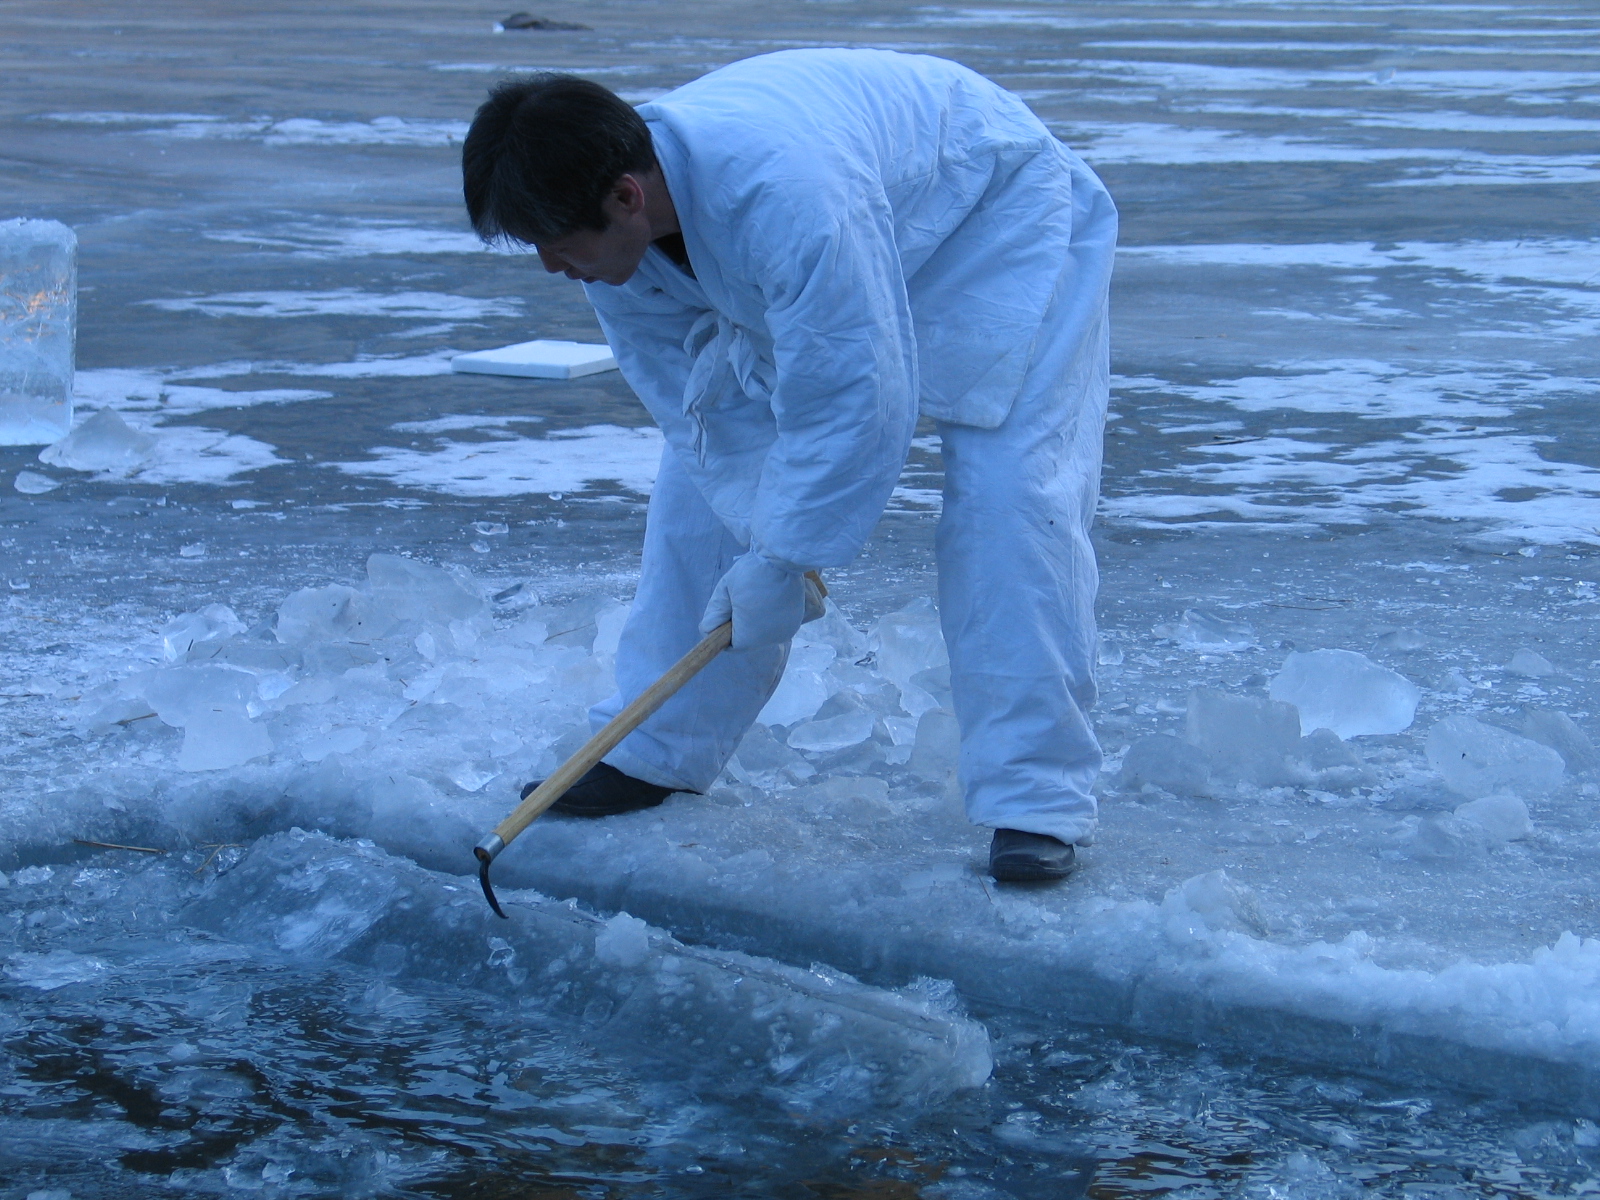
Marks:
<point>488,889</point>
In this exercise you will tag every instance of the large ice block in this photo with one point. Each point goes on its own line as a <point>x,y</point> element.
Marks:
<point>538,360</point>
<point>38,322</point>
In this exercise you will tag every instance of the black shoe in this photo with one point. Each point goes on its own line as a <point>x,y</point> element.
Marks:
<point>605,792</point>
<point>1018,857</point>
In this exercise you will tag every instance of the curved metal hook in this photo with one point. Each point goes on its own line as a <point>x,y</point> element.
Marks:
<point>486,851</point>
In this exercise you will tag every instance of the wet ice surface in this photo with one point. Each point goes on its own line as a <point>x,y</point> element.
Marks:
<point>1353,313</point>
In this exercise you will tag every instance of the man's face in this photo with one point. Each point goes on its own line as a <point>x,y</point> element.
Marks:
<point>610,255</point>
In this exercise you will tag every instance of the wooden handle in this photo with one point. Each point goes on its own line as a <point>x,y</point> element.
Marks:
<point>619,727</point>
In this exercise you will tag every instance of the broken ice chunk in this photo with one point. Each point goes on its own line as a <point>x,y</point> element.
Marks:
<point>1445,836</point>
<point>908,641</point>
<point>323,614</point>
<point>1561,733</point>
<point>38,324</point>
<point>1207,632</point>
<point>1249,740</point>
<point>803,688</point>
<point>623,941</point>
<point>1502,816</point>
<point>834,733</point>
<point>54,969</point>
<point>1403,641</point>
<point>1213,903</point>
<point>182,694</point>
<point>1164,761</point>
<point>860,796</point>
<point>220,738</point>
<point>1331,765</point>
<point>1530,664</point>
<point>210,624</point>
<point>105,442</point>
<point>937,749</point>
<point>1477,759</point>
<point>407,590</point>
<point>1345,692</point>
<point>1107,653</point>
<point>834,631</point>
<point>31,483</point>
<point>765,762</point>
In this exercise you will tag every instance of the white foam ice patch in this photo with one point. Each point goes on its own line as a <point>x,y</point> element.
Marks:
<point>150,451</point>
<point>1284,46</point>
<point>1444,120</point>
<point>374,366</point>
<point>355,239</point>
<point>452,422</point>
<point>510,68</point>
<point>147,391</point>
<point>342,302</point>
<point>1559,261</point>
<point>289,131</point>
<point>1526,86</point>
<point>1103,143</point>
<point>1442,473</point>
<point>1556,274</point>
<point>565,460</point>
<point>1046,19</point>
<point>1377,390</point>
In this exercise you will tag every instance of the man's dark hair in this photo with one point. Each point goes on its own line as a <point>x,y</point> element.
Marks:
<point>542,154</point>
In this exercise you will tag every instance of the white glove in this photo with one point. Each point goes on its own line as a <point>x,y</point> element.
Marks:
<point>767,603</point>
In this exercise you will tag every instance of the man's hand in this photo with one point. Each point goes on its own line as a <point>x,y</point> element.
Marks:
<point>766,602</point>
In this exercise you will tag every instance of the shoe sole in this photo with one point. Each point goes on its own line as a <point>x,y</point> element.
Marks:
<point>572,810</point>
<point>1024,872</point>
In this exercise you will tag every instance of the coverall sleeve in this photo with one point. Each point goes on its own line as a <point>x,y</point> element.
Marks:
<point>845,399</point>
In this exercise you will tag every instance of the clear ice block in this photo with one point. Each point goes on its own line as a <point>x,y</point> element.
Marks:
<point>38,322</point>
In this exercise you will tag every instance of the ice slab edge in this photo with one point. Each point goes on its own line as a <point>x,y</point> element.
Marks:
<point>1114,975</point>
<point>813,1040</point>
<point>1141,968</point>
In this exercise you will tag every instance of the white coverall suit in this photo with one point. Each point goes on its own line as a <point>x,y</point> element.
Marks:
<point>872,235</point>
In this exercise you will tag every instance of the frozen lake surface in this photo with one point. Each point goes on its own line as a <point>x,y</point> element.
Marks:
<point>1356,311</point>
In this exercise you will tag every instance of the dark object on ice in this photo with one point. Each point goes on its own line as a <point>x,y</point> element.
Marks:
<point>1018,857</point>
<point>522,20</point>
<point>578,768</point>
<point>605,792</point>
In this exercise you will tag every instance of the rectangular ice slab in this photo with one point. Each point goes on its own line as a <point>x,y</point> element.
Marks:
<point>538,360</point>
<point>38,321</point>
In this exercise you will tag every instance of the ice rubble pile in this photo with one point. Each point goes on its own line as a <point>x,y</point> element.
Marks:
<point>1298,735</point>
<point>409,684</point>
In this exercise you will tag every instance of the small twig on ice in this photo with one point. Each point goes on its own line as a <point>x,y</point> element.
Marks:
<point>117,846</point>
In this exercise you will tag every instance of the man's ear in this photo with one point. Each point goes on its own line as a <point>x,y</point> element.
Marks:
<point>629,193</point>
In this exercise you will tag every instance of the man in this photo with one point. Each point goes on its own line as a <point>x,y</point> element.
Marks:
<point>791,257</point>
